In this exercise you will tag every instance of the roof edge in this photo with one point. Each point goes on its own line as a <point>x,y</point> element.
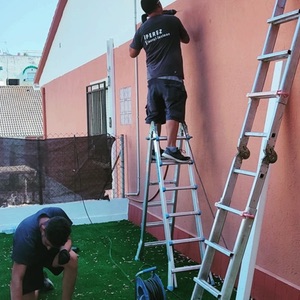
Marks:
<point>51,35</point>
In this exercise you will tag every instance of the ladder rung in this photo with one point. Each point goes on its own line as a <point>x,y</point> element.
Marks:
<point>244,172</point>
<point>284,17</point>
<point>186,268</point>
<point>180,188</point>
<point>274,56</point>
<point>158,203</point>
<point>164,138</point>
<point>183,214</point>
<point>154,243</point>
<point>171,162</point>
<point>212,290</point>
<point>188,240</point>
<point>230,209</point>
<point>155,224</point>
<point>166,181</point>
<point>219,248</point>
<point>263,95</point>
<point>256,134</point>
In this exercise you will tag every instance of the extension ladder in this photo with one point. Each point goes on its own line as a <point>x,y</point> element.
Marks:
<point>235,256</point>
<point>169,191</point>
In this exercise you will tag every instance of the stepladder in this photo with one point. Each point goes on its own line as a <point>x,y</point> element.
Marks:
<point>177,199</point>
<point>244,173</point>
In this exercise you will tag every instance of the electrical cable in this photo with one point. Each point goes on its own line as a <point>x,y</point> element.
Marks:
<point>203,188</point>
<point>153,285</point>
<point>156,193</point>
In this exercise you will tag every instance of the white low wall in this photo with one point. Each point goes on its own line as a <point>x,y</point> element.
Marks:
<point>98,211</point>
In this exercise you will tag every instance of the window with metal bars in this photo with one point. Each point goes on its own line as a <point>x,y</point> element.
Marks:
<point>96,108</point>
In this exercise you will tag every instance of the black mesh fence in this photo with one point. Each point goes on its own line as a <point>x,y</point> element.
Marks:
<point>55,170</point>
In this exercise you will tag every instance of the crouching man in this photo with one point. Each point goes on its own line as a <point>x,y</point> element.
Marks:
<point>42,240</point>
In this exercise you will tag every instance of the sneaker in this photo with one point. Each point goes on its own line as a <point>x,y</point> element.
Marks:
<point>48,284</point>
<point>153,153</point>
<point>177,156</point>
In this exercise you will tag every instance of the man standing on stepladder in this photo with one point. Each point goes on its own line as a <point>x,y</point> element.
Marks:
<point>160,36</point>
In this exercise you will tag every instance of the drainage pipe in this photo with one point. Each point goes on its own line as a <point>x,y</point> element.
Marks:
<point>138,165</point>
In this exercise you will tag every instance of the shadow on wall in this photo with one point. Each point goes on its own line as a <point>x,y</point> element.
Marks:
<point>200,104</point>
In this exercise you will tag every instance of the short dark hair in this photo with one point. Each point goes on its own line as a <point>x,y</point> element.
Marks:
<point>58,230</point>
<point>149,6</point>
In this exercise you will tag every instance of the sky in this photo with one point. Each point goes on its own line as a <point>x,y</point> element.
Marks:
<point>24,25</point>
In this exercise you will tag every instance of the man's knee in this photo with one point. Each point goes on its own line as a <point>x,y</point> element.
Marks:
<point>31,296</point>
<point>73,262</point>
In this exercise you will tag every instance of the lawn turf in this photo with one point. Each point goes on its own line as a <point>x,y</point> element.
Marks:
<point>107,267</point>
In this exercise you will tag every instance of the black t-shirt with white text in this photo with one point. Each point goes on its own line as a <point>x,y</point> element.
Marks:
<point>160,37</point>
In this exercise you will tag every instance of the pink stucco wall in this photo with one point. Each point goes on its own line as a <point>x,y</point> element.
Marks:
<point>65,100</point>
<point>220,65</point>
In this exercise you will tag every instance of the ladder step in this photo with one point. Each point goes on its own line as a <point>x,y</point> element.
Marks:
<point>154,243</point>
<point>244,172</point>
<point>180,188</point>
<point>188,240</point>
<point>158,203</point>
<point>263,95</point>
<point>212,290</point>
<point>155,224</point>
<point>164,138</point>
<point>186,268</point>
<point>275,56</point>
<point>219,248</point>
<point>183,214</point>
<point>256,134</point>
<point>230,209</point>
<point>166,181</point>
<point>171,162</point>
<point>284,17</point>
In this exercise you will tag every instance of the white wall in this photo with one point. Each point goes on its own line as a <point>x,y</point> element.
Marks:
<point>95,211</point>
<point>84,30</point>
<point>13,66</point>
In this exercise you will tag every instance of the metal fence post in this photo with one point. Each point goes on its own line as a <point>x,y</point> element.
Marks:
<point>122,166</point>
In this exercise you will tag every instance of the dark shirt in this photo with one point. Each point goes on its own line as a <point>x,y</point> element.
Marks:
<point>160,37</point>
<point>28,248</point>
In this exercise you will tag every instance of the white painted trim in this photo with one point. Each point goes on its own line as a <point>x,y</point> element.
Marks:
<point>99,211</point>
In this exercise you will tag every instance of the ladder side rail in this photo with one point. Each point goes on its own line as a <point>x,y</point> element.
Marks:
<point>174,198</point>
<point>175,192</point>
<point>172,281</point>
<point>244,232</point>
<point>231,181</point>
<point>286,85</point>
<point>279,8</point>
<point>195,200</point>
<point>235,262</point>
<point>209,254</point>
<point>292,61</point>
<point>146,196</point>
<point>196,207</point>
<point>247,125</point>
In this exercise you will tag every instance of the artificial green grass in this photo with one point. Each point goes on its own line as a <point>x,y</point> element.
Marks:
<point>107,267</point>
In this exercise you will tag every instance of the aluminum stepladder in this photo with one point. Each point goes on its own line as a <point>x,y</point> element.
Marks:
<point>235,256</point>
<point>169,194</point>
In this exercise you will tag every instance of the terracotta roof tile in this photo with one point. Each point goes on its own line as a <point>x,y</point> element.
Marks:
<point>20,112</point>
